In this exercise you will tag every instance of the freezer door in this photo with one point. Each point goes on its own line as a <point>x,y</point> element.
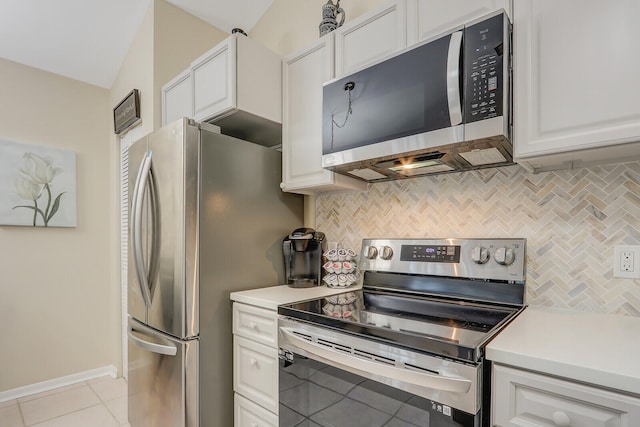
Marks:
<point>163,229</point>
<point>162,380</point>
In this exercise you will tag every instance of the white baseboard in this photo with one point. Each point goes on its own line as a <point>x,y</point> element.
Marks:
<point>27,390</point>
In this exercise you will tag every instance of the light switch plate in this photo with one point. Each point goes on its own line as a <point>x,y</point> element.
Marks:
<point>626,261</point>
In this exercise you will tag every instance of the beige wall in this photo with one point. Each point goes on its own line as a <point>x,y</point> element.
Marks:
<point>55,306</point>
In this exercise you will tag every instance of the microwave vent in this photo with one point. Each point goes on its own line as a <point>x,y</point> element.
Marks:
<point>366,174</point>
<point>487,156</point>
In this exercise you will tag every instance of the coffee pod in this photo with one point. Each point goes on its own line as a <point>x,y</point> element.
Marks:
<point>342,280</point>
<point>330,279</point>
<point>347,267</point>
<point>342,254</point>
<point>351,254</point>
<point>331,255</point>
<point>328,266</point>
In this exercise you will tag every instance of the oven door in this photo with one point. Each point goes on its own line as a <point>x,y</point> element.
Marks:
<point>328,378</point>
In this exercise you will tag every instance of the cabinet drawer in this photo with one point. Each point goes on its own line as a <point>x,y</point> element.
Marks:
<point>255,372</point>
<point>248,414</point>
<point>525,398</point>
<point>256,324</point>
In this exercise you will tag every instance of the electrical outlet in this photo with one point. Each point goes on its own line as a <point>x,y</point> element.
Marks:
<point>626,261</point>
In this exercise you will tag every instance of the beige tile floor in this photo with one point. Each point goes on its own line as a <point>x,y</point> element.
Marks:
<point>101,402</point>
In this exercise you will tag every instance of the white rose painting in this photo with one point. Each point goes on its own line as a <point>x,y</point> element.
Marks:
<point>37,185</point>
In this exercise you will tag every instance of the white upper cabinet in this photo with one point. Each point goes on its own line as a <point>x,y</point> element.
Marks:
<point>304,73</point>
<point>236,85</point>
<point>372,36</point>
<point>577,85</point>
<point>237,74</point>
<point>435,17</point>
<point>213,82</point>
<point>177,99</point>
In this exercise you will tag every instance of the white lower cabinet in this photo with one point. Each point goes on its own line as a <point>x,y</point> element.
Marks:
<point>523,398</point>
<point>255,366</point>
<point>248,414</point>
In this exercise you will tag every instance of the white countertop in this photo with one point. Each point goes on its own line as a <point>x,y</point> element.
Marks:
<point>599,349</point>
<point>274,296</point>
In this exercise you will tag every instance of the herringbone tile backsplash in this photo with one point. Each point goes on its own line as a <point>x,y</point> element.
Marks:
<point>571,220</point>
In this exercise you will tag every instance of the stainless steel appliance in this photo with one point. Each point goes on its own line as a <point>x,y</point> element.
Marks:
<point>206,218</point>
<point>441,106</point>
<point>302,251</point>
<point>408,348</point>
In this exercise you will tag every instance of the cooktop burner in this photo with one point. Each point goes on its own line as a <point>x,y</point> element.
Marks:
<point>454,329</point>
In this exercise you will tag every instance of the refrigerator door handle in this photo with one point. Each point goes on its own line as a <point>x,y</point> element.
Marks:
<point>169,349</point>
<point>145,177</point>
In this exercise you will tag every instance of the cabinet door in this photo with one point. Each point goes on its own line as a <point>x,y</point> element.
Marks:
<point>304,73</point>
<point>255,323</point>
<point>576,75</point>
<point>371,37</point>
<point>522,398</point>
<point>248,414</point>
<point>435,17</point>
<point>213,76</point>
<point>177,99</point>
<point>255,372</point>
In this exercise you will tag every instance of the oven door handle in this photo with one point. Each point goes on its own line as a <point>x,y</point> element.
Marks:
<point>442,382</point>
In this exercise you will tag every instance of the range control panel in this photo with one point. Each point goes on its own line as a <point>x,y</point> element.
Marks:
<point>430,253</point>
<point>490,259</point>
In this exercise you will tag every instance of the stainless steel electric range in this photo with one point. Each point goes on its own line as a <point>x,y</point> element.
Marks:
<point>408,348</point>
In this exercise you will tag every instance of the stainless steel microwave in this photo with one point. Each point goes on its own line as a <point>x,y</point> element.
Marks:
<point>443,105</point>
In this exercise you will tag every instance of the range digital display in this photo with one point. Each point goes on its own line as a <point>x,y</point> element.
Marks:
<point>430,253</point>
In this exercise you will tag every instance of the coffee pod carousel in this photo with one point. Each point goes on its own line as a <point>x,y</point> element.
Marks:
<point>340,268</point>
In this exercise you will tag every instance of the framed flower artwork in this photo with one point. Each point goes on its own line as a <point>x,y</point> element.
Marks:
<point>37,185</point>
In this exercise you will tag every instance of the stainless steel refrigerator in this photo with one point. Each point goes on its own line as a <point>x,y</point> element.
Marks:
<point>207,217</point>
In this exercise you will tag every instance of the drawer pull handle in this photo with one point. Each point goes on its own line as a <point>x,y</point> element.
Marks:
<point>254,424</point>
<point>254,326</point>
<point>253,362</point>
<point>561,419</point>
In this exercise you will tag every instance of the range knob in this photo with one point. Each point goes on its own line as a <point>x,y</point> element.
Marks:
<point>504,256</point>
<point>370,252</point>
<point>480,255</point>
<point>386,252</point>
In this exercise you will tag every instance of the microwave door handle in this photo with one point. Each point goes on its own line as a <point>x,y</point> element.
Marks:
<point>453,78</point>
<point>365,367</point>
<point>136,227</point>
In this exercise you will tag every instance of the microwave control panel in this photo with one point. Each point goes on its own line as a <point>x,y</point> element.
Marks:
<point>484,55</point>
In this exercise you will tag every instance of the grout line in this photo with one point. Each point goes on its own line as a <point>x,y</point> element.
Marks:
<point>24,423</point>
<point>52,392</point>
<point>65,414</point>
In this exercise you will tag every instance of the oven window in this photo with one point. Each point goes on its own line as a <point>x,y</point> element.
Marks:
<point>313,394</point>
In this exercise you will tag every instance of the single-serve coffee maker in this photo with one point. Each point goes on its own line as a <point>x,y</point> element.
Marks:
<point>302,250</point>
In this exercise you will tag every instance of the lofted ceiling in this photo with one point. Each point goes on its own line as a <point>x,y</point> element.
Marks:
<point>87,40</point>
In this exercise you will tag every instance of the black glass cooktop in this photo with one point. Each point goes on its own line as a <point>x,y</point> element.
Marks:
<point>455,329</point>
